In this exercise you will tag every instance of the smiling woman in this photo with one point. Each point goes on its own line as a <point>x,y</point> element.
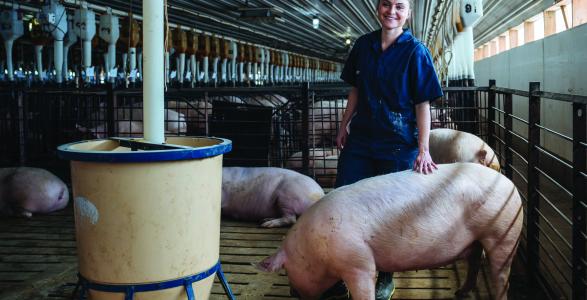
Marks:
<point>393,79</point>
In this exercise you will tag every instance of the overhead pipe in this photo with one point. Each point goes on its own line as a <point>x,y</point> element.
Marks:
<point>39,39</point>
<point>181,46</point>
<point>11,28</point>
<point>192,50</point>
<point>260,53</point>
<point>130,36</point>
<point>249,57</point>
<point>271,66</point>
<point>153,80</point>
<point>110,32</point>
<point>203,54</point>
<point>241,61</point>
<point>286,68</point>
<point>70,40</point>
<point>54,19</point>
<point>224,55</point>
<point>233,57</point>
<point>84,21</point>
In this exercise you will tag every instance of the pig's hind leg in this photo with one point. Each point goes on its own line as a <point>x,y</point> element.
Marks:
<point>287,204</point>
<point>361,284</point>
<point>474,263</point>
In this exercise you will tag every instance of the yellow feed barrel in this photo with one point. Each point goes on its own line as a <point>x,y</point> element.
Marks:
<point>147,220</point>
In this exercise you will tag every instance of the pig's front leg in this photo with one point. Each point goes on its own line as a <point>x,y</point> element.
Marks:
<point>361,284</point>
<point>279,222</point>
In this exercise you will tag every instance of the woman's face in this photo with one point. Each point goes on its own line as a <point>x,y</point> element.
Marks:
<point>393,13</point>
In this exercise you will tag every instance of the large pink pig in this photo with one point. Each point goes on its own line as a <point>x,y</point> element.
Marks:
<point>275,196</point>
<point>449,145</point>
<point>24,191</point>
<point>404,221</point>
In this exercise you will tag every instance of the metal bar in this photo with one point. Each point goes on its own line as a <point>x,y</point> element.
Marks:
<point>305,128</point>
<point>556,133</point>
<point>554,245</point>
<point>511,91</point>
<point>533,198</point>
<point>110,103</point>
<point>508,135</point>
<point>465,88</point>
<point>579,224</point>
<point>491,114</point>
<point>560,186</point>
<point>554,156</point>
<point>22,116</point>
<point>563,97</point>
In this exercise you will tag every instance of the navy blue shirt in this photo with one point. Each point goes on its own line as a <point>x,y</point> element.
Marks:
<point>390,83</point>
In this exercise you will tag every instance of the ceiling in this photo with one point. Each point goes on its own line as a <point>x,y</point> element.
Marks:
<point>339,20</point>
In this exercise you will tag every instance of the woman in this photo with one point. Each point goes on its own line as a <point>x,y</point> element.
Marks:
<point>393,80</point>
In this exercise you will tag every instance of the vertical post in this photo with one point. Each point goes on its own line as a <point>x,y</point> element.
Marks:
<point>532,193</point>
<point>579,196</point>
<point>153,77</point>
<point>491,114</point>
<point>22,113</point>
<point>305,128</point>
<point>508,135</point>
<point>111,101</point>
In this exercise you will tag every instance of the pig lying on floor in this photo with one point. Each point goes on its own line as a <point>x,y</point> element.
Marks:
<point>404,221</point>
<point>24,191</point>
<point>275,196</point>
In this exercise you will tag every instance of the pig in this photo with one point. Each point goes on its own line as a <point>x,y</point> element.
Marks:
<point>404,221</point>
<point>274,195</point>
<point>197,113</point>
<point>325,117</point>
<point>121,129</point>
<point>449,145</point>
<point>322,164</point>
<point>24,191</point>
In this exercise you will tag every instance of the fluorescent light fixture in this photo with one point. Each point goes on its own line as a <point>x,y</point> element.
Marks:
<point>315,22</point>
<point>347,42</point>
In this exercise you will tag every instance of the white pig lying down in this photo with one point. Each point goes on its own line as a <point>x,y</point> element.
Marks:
<point>404,221</point>
<point>272,195</point>
<point>24,191</point>
<point>449,145</point>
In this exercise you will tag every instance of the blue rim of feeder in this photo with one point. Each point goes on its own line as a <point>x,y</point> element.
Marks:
<point>149,152</point>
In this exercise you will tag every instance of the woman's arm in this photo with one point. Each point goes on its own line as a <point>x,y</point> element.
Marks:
<point>351,107</point>
<point>423,163</point>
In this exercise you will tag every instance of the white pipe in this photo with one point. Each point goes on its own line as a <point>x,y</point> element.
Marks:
<point>215,69</point>
<point>140,64</point>
<point>241,73</point>
<point>181,67</point>
<point>205,79</point>
<point>248,74</point>
<point>267,62</point>
<point>234,48</point>
<point>255,70</point>
<point>153,48</point>
<point>39,58</point>
<point>193,69</point>
<point>111,61</point>
<point>58,60</point>
<point>133,62</point>
<point>8,48</point>
<point>124,60</point>
<point>286,67</point>
<point>223,68</point>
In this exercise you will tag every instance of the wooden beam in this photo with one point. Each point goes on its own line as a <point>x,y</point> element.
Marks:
<point>513,38</point>
<point>579,12</point>
<point>549,22</point>
<point>528,32</point>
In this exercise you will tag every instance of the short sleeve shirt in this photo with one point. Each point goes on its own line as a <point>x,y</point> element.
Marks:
<point>390,83</point>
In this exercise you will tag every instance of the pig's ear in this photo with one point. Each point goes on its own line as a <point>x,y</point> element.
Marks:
<point>481,156</point>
